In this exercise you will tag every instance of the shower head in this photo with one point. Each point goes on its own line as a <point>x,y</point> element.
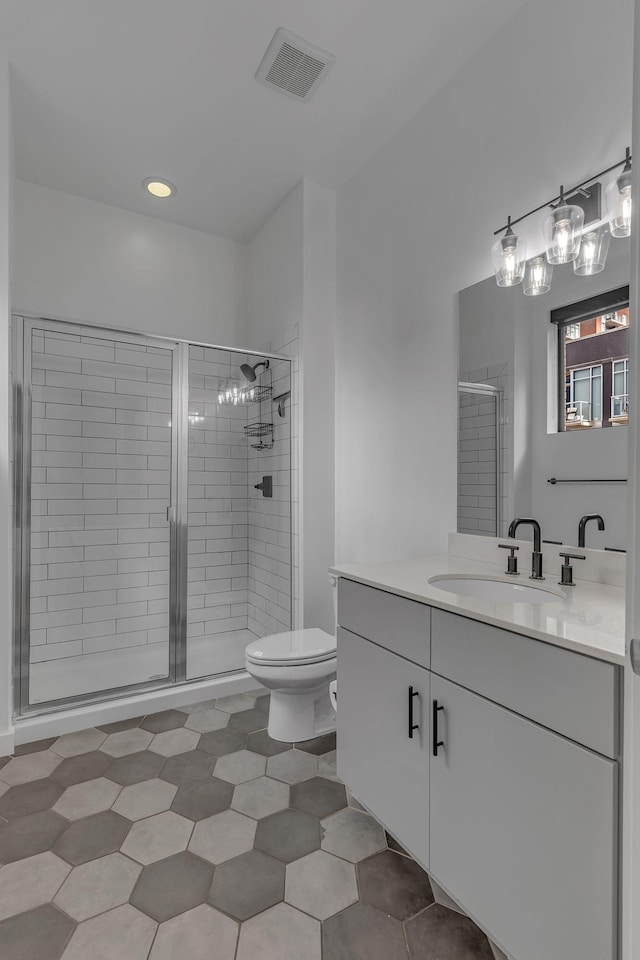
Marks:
<point>249,372</point>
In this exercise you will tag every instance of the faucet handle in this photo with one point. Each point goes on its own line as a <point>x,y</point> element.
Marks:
<point>566,570</point>
<point>512,560</point>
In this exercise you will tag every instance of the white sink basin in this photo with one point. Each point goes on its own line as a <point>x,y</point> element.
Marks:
<point>501,591</point>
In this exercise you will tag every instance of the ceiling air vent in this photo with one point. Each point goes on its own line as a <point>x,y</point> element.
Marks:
<point>293,66</point>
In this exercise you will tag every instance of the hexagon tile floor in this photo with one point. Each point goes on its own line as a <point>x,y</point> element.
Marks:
<point>190,833</point>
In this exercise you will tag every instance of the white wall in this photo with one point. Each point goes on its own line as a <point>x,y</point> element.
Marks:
<point>76,259</point>
<point>415,226</point>
<point>291,265</point>
<point>6,497</point>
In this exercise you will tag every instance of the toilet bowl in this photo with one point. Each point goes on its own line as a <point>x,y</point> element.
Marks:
<point>297,666</point>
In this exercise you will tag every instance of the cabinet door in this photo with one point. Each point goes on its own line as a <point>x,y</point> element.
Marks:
<point>523,830</point>
<point>385,768</point>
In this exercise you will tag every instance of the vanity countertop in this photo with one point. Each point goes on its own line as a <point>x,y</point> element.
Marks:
<point>588,618</point>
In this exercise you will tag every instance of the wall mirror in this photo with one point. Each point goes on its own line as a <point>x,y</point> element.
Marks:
<point>542,397</point>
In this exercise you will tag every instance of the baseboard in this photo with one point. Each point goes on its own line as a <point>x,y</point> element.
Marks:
<point>7,743</point>
<point>28,729</point>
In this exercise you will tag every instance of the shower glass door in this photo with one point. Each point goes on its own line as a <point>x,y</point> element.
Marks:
<point>98,470</point>
<point>146,552</point>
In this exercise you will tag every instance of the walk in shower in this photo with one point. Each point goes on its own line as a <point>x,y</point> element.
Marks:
<point>148,549</point>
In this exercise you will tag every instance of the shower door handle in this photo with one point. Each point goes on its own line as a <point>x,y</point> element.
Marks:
<point>171,514</point>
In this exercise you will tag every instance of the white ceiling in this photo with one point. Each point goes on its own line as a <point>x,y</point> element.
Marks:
<point>107,92</point>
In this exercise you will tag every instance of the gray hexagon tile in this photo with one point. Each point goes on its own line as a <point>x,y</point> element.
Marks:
<point>292,766</point>
<point>83,799</point>
<point>236,703</point>
<point>218,743</point>
<point>38,934</point>
<point>127,741</point>
<point>195,934</point>
<point>203,798</point>
<point>352,835</point>
<point>261,742</point>
<point>34,766</point>
<point>135,767</point>
<point>281,931</point>
<point>97,886</point>
<point>29,883</point>
<point>223,836</point>
<point>248,884</point>
<point>261,797</point>
<point>321,885</point>
<point>167,888</point>
<point>82,741</point>
<point>29,798</point>
<point>318,796</point>
<point>85,766</point>
<point>394,884</point>
<point>363,933</point>
<point>241,766</point>
<point>121,934</point>
<point>145,799</point>
<point>92,837</point>
<point>248,720</point>
<point>163,721</point>
<point>206,720</point>
<point>442,934</point>
<point>174,741</point>
<point>157,837</point>
<point>27,836</point>
<point>188,767</point>
<point>288,835</point>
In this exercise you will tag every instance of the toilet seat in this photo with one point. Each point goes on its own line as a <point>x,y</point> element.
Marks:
<point>294,647</point>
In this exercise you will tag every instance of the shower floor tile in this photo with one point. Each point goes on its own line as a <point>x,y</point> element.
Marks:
<point>222,837</point>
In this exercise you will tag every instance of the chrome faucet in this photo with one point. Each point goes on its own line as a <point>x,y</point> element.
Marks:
<point>583,523</point>
<point>536,556</point>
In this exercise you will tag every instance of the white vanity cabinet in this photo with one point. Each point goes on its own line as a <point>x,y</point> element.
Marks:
<point>523,830</point>
<point>383,717</point>
<point>383,763</point>
<point>508,791</point>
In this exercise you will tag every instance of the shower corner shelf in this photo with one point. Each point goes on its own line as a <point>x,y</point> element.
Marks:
<point>258,429</point>
<point>258,394</point>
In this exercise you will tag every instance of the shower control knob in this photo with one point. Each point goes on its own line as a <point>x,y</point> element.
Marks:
<point>266,486</point>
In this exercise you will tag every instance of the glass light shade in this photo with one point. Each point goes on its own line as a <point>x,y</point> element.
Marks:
<point>618,200</point>
<point>509,256</point>
<point>537,278</point>
<point>593,252</point>
<point>562,231</point>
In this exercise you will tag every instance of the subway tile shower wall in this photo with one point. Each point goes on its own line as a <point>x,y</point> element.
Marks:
<point>273,523</point>
<point>218,566</point>
<point>100,486</point>
<point>477,451</point>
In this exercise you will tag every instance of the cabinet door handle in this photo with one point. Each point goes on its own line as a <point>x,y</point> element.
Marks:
<point>434,731</point>
<point>412,726</point>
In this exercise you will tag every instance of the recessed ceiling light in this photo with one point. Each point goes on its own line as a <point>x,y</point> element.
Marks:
<point>158,187</point>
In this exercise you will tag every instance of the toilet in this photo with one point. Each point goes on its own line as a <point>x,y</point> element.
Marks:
<point>297,666</point>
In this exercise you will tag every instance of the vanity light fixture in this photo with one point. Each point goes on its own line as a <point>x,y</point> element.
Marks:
<point>537,278</point>
<point>592,256</point>
<point>562,231</point>
<point>566,238</point>
<point>159,187</point>
<point>509,255</point>
<point>618,198</point>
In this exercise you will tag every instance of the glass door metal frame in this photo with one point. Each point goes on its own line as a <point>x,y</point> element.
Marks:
<point>21,330</point>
